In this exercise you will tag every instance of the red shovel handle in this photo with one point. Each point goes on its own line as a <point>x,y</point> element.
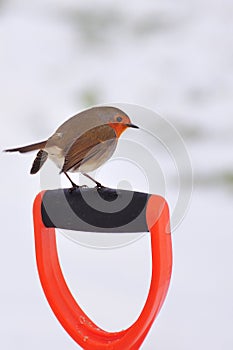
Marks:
<point>68,312</point>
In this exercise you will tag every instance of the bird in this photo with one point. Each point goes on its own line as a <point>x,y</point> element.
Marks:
<point>82,143</point>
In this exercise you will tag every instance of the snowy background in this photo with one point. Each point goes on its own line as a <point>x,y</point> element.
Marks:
<point>175,57</point>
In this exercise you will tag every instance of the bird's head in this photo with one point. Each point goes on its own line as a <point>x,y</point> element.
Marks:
<point>120,121</point>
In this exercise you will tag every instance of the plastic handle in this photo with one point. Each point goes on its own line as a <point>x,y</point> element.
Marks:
<point>78,325</point>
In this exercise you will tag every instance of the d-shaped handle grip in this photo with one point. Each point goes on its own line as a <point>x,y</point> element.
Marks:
<point>103,210</point>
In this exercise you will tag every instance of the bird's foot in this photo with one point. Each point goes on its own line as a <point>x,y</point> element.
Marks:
<point>74,187</point>
<point>99,185</point>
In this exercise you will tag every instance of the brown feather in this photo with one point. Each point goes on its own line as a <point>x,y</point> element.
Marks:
<point>28,148</point>
<point>89,145</point>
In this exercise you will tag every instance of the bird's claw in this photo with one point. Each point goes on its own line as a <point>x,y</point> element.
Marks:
<point>99,186</point>
<point>74,187</point>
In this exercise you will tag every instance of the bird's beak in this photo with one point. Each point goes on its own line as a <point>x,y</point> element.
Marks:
<point>132,126</point>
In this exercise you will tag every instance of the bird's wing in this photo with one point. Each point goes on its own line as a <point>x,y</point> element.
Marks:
<point>93,143</point>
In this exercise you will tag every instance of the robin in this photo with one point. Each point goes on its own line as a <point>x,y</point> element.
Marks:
<point>82,143</point>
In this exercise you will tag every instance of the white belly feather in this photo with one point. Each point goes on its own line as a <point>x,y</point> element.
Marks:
<point>56,155</point>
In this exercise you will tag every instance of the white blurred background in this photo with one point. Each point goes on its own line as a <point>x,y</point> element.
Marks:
<point>176,57</point>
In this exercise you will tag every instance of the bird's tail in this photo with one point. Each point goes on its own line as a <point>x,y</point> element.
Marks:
<point>29,148</point>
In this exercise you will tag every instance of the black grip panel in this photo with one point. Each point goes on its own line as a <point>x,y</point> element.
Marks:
<point>95,210</point>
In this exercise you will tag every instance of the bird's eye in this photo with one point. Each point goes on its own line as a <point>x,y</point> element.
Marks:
<point>119,119</point>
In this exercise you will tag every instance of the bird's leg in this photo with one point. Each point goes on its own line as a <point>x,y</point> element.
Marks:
<point>98,184</point>
<point>72,183</point>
